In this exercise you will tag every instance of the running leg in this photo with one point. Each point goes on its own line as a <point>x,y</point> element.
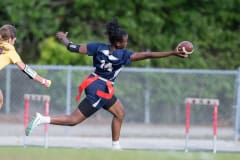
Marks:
<point>118,115</point>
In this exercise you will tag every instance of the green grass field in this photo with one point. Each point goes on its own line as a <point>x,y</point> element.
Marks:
<point>37,153</point>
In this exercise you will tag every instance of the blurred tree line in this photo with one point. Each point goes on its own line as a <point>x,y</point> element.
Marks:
<point>212,25</point>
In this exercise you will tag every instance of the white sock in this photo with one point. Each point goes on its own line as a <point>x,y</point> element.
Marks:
<point>116,145</point>
<point>45,119</point>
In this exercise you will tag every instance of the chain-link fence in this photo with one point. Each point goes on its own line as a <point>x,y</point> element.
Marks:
<point>154,100</point>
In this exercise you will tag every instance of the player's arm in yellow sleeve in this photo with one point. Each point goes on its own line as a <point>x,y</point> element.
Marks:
<point>15,58</point>
<point>33,74</point>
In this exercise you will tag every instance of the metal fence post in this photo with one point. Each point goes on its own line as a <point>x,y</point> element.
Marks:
<point>147,104</point>
<point>8,89</point>
<point>68,89</point>
<point>147,97</point>
<point>237,117</point>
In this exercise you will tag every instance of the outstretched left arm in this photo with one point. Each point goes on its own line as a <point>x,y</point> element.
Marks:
<point>137,56</point>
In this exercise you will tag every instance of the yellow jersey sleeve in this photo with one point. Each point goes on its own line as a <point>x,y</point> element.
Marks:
<point>13,55</point>
<point>8,55</point>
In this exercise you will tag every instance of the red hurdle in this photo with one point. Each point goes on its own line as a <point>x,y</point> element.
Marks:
<point>36,97</point>
<point>200,101</point>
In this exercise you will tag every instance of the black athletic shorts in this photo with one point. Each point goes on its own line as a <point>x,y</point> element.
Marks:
<point>87,109</point>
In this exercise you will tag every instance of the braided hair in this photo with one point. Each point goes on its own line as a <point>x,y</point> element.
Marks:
<point>115,32</point>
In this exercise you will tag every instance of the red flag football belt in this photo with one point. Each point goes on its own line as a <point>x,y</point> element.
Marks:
<point>89,80</point>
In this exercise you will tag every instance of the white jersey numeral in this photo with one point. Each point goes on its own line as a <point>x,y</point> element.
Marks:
<point>106,66</point>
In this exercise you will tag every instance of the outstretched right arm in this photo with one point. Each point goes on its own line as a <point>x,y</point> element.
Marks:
<point>33,74</point>
<point>78,48</point>
<point>14,58</point>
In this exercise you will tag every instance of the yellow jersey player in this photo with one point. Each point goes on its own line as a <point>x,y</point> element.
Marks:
<point>9,55</point>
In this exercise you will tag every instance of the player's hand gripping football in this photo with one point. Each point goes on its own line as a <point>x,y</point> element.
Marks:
<point>63,37</point>
<point>184,49</point>
<point>180,54</point>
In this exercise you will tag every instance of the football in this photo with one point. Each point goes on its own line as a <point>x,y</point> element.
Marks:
<point>186,47</point>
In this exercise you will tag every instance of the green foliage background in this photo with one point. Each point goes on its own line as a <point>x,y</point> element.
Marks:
<point>212,25</point>
<point>157,25</point>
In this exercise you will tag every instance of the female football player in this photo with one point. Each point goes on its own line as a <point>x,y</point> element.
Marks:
<point>108,60</point>
<point>9,55</point>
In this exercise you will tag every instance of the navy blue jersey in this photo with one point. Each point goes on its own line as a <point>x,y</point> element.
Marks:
<point>108,65</point>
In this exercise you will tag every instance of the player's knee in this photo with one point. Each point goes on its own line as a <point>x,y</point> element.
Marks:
<point>118,110</point>
<point>73,121</point>
<point>121,114</point>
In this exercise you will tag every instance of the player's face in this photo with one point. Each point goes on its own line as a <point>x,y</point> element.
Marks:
<point>123,43</point>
